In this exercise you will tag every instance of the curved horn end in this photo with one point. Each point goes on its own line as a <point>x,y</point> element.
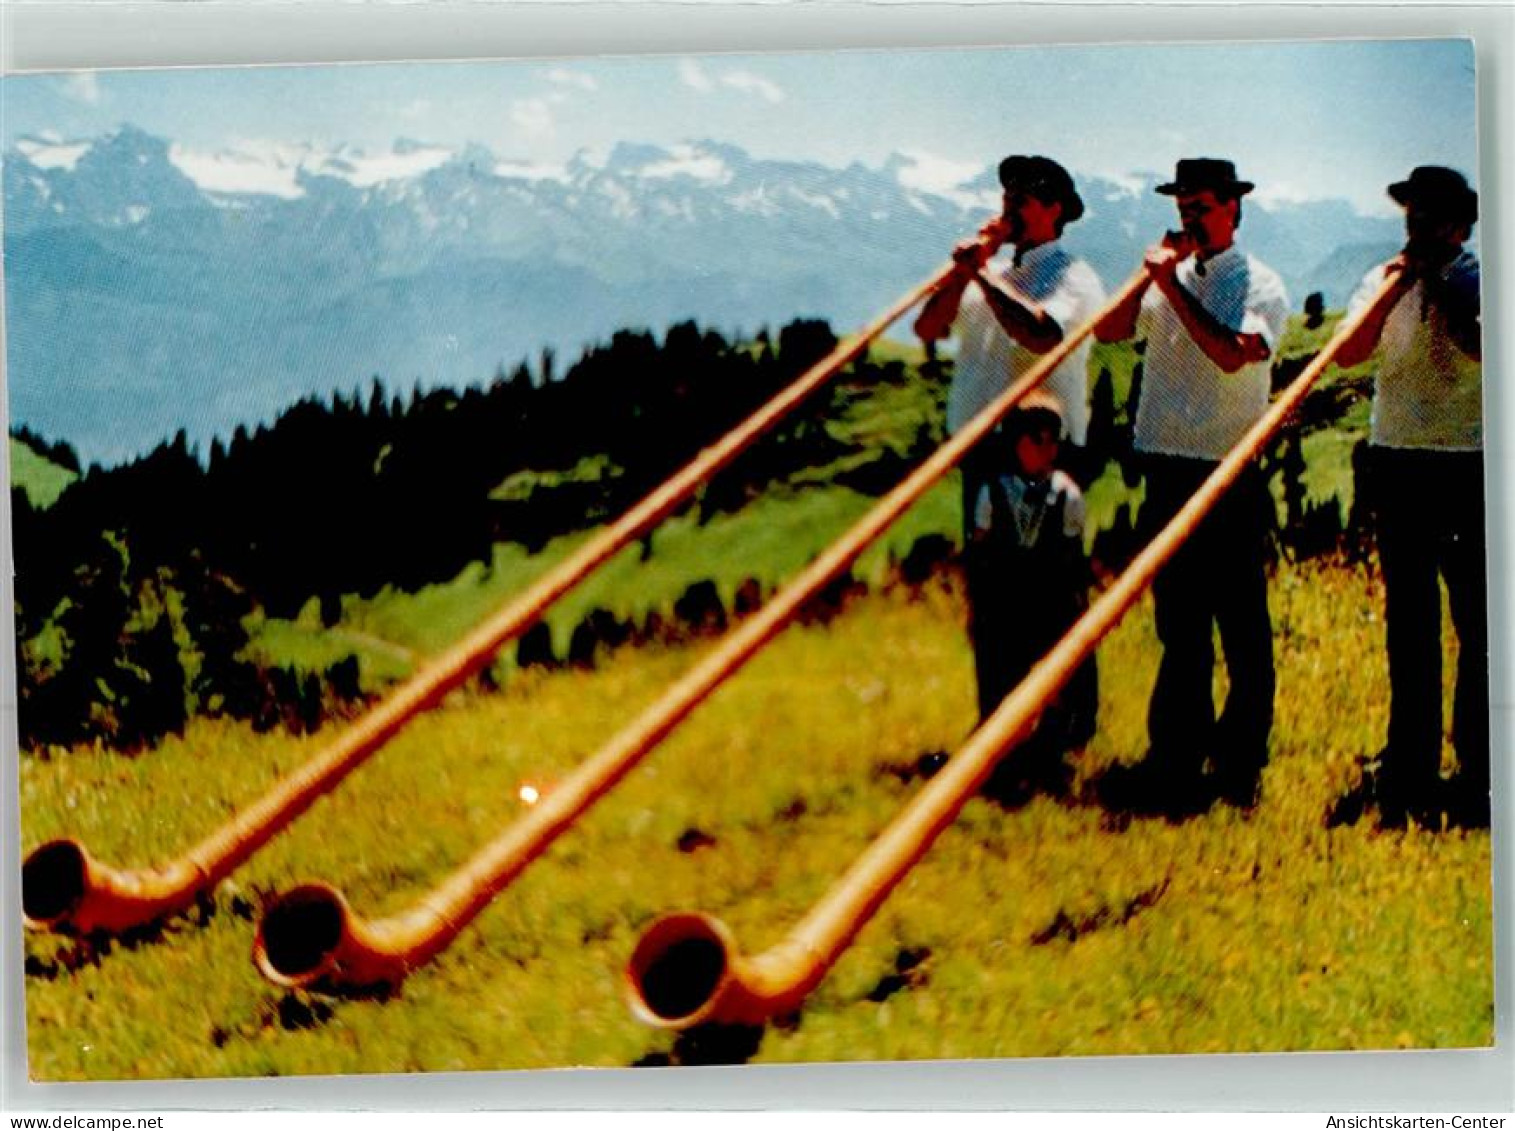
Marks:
<point>680,970</point>
<point>54,881</point>
<point>301,935</point>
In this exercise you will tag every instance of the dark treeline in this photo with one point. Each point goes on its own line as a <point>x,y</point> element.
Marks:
<point>131,588</point>
<point>372,489</point>
<point>57,452</point>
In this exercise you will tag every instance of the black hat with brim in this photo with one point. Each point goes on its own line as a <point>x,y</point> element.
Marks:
<point>1205,174</point>
<point>1044,179</point>
<point>1437,189</point>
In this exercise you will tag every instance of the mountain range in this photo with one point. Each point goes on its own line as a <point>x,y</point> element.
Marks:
<point>151,288</point>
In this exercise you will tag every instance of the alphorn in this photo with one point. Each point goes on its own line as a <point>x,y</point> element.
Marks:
<point>64,887</point>
<point>310,936</point>
<point>687,969</point>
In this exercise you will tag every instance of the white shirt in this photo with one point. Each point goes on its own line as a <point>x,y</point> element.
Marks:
<point>1189,406</point>
<point>1427,393</point>
<point>989,361</point>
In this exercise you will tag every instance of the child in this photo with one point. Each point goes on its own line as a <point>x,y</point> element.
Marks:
<point>1028,580</point>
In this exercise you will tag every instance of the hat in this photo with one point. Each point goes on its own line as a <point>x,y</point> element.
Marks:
<point>1444,191</point>
<point>1205,174</point>
<point>1044,179</point>
<point>1038,408</point>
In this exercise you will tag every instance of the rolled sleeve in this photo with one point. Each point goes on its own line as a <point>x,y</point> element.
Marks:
<point>1062,306</point>
<point>1074,510</point>
<point>1267,313</point>
<point>1365,291</point>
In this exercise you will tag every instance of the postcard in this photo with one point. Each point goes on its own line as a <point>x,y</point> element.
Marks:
<point>661,561</point>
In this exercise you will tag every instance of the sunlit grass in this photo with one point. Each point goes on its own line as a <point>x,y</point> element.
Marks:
<point>1265,932</point>
<point>769,541</point>
<point>41,479</point>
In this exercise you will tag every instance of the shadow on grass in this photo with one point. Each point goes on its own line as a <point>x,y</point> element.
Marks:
<point>78,951</point>
<point>909,972</point>
<point>292,1011</point>
<point>1071,928</point>
<point>708,1045</point>
<point>738,1044</point>
<point>924,768</point>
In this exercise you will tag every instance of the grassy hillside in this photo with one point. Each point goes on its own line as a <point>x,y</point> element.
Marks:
<point>1036,932</point>
<point>768,541</point>
<point>1050,930</point>
<point>41,479</point>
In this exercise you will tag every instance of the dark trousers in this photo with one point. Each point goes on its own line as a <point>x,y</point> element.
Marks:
<point>1429,518</point>
<point>1016,613</point>
<point>1216,579</point>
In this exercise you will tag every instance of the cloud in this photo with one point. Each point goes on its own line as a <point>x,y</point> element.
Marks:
<point>749,83</point>
<point>1132,184</point>
<point>47,152</point>
<point>564,77</point>
<point>1276,194</point>
<point>533,116</point>
<point>693,75</point>
<point>83,86</point>
<point>941,176</point>
<point>1281,194</point>
<point>686,161</point>
<point>366,169</point>
<point>926,172</point>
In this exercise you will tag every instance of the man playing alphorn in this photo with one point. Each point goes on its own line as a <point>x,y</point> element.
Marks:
<point>1424,482</point>
<point>1006,313</point>
<point>1211,317</point>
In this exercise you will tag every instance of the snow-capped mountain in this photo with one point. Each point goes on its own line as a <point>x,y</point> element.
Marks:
<point>151,286</point>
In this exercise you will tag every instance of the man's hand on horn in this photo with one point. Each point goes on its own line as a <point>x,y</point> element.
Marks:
<point>994,233</point>
<point>1162,260</point>
<point>1403,269</point>
<point>971,256</point>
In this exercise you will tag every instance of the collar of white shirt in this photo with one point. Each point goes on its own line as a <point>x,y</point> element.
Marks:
<point>1038,258</point>
<point>1221,263</point>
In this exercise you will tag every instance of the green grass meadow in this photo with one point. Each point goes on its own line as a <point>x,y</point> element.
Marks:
<point>769,541</point>
<point>1037,932</point>
<point>1049,930</point>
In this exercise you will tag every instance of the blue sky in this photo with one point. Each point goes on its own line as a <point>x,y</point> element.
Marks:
<point>1303,120</point>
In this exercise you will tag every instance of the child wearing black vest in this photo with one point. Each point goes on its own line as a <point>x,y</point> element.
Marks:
<point>1030,578</point>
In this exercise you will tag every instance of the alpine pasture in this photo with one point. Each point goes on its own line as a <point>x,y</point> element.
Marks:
<point>1046,930</point>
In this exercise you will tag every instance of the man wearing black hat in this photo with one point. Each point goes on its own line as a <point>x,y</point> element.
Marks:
<point>1006,313</point>
<point>1019,305</point>
<point>1424,481</point>
<point>1211,316</point>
